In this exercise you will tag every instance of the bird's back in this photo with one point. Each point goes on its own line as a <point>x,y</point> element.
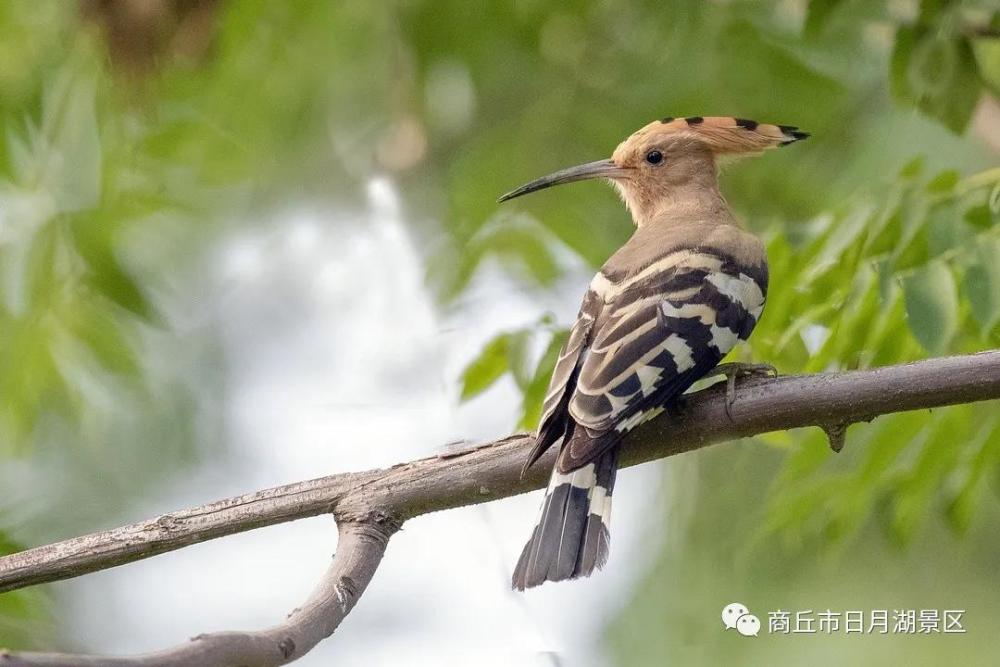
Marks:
<point>671,303</point>
<point>660,314</point>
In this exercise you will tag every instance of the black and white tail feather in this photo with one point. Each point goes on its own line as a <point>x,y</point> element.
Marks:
<point>572,535</point>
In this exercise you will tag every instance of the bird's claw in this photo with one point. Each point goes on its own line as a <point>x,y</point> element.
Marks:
<point>737,369</point>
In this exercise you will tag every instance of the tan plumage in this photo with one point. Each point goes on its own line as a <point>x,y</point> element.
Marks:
<point>723,134</point>
<point>661,313</point>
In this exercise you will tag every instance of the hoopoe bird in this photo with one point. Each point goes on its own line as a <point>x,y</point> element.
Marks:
<point>660,314</point>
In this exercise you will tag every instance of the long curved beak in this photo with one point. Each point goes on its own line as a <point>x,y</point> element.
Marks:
<point>598,169</point>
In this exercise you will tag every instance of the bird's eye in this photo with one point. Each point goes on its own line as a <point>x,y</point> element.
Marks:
<point>654,157</point>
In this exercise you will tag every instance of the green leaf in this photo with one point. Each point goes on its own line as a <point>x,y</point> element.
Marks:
<point>913,168</point>
<point>931,9</point>
<point>487,368</point>
<point>69,149</point>
<point>988,56</point>
<point>909,249</point>
<point>30,384</point>
<point>967,493</point>
<point>106,275</point>
<point>982,284</point>
<point>523,247</point>
<point>936,73</point>
<point>932,306</point>
<point>945,230</point>
<point>534,394</point>
<point>40,268</point>
<point>919,484</point>
<point>944,182</point>
<point>24,614</point>
<point>519,357</point>
<point>840,236</point>
<point>817,14</point>
<point>105,335</point>
<point>519,242</point>
<point>979,216</point>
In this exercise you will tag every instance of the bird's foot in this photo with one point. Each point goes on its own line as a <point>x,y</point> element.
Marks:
<point>737,369</point>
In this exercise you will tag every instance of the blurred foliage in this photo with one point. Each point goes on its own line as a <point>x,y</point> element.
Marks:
<point>933,63</point>
<point>512,352</point>
<point>122,164</point>
<point>586,96</point>
<point>112,191</point>
<point>885,278</point>
<point>867,270</point>
<point>24,613</point>
<point>883,282</point>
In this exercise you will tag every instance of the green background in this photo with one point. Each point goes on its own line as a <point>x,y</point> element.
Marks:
<point>131,143</point>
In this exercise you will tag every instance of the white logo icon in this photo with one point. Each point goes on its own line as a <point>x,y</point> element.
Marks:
<point>736,616</point>
<point>748,625</point>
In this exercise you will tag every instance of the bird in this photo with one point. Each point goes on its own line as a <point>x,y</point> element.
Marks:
<point>660,314</point>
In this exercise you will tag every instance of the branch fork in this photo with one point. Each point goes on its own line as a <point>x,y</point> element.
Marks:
<point>370,506</point>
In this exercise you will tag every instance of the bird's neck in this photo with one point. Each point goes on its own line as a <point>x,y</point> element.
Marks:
<point>695,198</point>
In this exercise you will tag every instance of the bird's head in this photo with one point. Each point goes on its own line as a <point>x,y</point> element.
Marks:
<point>672,161</point>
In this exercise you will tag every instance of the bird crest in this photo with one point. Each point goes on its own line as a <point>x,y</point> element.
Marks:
<point>723,135</point>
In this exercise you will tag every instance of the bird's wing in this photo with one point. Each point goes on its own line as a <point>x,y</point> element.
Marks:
<point>665,327</point>
<point>552,424</point>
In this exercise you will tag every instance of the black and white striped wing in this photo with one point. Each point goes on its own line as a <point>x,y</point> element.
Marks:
<point>553,422</point>
<point>665,328</point>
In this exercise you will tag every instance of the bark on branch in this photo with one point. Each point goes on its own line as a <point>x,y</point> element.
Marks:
<point>369,506</point>
<point>360,547</point>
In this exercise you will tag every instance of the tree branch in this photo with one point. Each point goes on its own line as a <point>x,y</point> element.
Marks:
<point>369,506</point>
<point>360,547</point>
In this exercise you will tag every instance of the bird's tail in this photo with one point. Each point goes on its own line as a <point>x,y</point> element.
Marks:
<point>571,538</point>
